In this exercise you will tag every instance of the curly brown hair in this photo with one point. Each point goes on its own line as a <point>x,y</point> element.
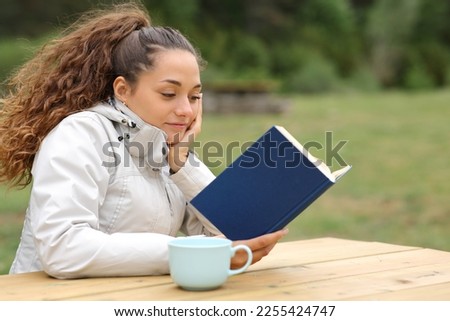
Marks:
<point>72,73</point>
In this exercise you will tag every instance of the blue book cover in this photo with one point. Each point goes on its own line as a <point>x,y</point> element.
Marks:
<point>265,188</point>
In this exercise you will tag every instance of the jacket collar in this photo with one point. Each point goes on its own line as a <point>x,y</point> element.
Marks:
<point>141,139</point>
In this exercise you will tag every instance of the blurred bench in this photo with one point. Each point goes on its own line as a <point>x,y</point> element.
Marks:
<point>243,97</point>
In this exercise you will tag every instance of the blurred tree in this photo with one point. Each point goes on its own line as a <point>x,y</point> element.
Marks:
<point>331,27</point>
<point>390,28</point>
<point>34,17</point>
<point>405,42</point>
<point>181,15</point>
<point>431,41</point>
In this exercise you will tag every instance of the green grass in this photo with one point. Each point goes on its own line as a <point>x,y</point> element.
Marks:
<point>397,191</point>
<point>12,207</point>
<point>397,143</point>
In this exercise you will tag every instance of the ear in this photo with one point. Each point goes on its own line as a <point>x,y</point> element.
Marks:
<point>122,90</point>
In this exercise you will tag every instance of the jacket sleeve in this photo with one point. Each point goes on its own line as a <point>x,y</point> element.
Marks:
<point>191,179</point>
<point>69,186</point>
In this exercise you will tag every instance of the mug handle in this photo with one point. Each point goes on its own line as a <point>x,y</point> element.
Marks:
<point>249,258</point>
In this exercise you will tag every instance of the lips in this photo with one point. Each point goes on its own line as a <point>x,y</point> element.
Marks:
<point>179,126</point>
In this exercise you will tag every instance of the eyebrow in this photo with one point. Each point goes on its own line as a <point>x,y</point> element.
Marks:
<point>177,83</point>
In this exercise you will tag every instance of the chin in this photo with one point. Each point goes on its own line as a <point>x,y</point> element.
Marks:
<point>174,138</point>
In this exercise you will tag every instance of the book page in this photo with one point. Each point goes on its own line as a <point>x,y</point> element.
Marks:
<point>314,160</point>
<point>341,172</point>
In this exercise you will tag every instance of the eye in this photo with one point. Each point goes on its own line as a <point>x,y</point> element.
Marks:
<point>195,97</point>
<point>168,95</point>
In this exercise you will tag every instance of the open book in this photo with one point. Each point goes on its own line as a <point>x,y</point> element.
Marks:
<point>266,187</point>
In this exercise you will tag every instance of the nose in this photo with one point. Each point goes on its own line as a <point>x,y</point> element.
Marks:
<point>184,108</point>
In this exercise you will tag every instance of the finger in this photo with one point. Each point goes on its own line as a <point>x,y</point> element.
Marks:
<point>200,108</point>
<point>260,246</point>
<point>263,241</point>
<point>194,128</point>
<point>262,252</point>
<point>197,122</point>
<point>257,255</point>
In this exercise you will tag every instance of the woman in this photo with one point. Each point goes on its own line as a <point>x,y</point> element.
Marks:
<point>101,121</point>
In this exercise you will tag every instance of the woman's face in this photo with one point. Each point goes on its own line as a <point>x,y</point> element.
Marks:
<point>168,95</point>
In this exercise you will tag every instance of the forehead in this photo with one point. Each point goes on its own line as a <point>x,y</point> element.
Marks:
<point>175,62</point>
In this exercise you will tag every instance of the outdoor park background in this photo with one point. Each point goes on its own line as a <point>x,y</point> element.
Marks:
<point>375,73</point>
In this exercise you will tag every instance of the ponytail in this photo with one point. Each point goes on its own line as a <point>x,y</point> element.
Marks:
<point>66,76</point>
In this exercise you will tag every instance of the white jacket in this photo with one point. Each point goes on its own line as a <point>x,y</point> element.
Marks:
<point>96,210</point>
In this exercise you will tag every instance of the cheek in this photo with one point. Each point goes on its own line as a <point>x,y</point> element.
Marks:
<point>150,110</point>
<point>196,108</point>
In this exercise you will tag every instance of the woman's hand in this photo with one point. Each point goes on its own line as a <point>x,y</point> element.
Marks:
<point>179,151</point>
<point>260,246</point>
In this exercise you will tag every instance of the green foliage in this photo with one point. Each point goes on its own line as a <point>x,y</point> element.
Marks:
<point>248,55</point>
<point>403,43</point>
<point>417,77</point>
<point>388,36</point>
<point>15,52</point>
<point>435,59</point>
<point>33,18</point>
<point>363,79</point>
<point>330,27</point>
<point>182,16</point>
<point>12,54</point>
<point>317,75</point>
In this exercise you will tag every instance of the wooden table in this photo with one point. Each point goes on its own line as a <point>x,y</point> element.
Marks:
<point>317,269</point>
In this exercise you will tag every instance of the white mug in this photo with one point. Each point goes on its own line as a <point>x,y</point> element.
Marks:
<point>203,263</point>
